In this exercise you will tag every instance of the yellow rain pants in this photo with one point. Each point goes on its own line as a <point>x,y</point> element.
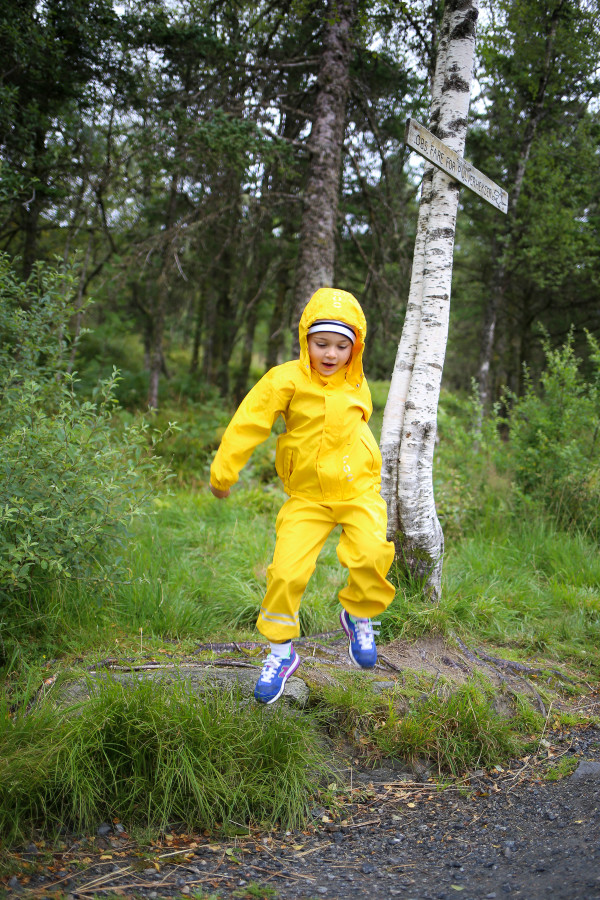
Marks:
<point>302,527</point>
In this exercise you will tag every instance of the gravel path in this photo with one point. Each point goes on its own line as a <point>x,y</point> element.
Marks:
<point>510,833</point>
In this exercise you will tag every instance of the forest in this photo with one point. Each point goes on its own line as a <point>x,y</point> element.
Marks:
<point>163,150</point>
<point>177,178</point>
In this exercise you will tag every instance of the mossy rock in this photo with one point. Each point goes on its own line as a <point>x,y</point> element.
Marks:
<point>200,679</point>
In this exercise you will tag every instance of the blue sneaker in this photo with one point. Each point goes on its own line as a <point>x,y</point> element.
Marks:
<point>361,646</point>
<point>275,673</point>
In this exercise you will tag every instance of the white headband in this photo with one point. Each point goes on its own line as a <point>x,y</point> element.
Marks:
<point>335,326</point>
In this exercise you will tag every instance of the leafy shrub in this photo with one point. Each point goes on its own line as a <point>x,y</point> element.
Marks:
<point>554,438</point>
<point>469,480</point>
<point>69,483</point>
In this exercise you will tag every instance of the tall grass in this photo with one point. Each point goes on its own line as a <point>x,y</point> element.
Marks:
<point>201,567</point>
<point>156,758</point>
<point>457,732</point>
<point>531,586</point>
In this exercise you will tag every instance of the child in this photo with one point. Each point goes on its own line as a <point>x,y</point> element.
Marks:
<point>330,465</point>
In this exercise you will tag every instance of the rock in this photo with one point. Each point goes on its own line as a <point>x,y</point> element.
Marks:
<point>587,769</point>
<point>119,829</point>
<point>14,883</point>
<point>368,869</point>
<point>378,687</point>
<point>199,679</point>
<point>104,829</point>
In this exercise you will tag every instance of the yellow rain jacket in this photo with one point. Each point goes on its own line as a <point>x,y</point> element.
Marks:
<point>328,451</point>
<point>330,465</point>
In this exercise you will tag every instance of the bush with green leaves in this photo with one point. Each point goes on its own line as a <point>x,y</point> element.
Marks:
<point>554,437</point>
<point>69,482</point>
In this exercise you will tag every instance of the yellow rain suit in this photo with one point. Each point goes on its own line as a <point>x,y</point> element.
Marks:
<point>330,465</point>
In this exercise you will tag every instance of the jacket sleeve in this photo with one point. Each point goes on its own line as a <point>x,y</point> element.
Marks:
<point>249,427</point>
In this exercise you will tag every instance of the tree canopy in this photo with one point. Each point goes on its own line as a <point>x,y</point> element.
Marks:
<point>168,148</point>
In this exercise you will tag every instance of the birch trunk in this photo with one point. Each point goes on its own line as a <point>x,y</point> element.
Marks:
<point>316,252</point>
<point>393,416</point>
<point>410,419</point>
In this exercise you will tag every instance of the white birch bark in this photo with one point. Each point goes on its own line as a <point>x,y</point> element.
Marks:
<point>393,416</point>
<point>411,414</point>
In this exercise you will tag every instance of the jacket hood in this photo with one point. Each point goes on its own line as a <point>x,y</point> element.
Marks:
<point>331,303</point>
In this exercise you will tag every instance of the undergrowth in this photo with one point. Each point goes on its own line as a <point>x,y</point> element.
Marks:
<point>453,728</point>
<point>156,758</point>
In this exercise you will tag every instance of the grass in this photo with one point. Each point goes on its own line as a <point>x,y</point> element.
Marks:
<point>534,588</point>
<point>204,566</point>
<point>562,769</point>
<point>197,568</point>
<point>454,728</point>
<point>156,759</point>
<point>457,730</point>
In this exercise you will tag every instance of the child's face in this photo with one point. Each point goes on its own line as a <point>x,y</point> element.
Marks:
<point>329,352</point>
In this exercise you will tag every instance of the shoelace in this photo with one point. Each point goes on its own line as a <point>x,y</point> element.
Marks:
<point>365,633</point>
<point>270,666</point>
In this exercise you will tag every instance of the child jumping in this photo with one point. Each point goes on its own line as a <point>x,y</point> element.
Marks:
<point>330,466</point>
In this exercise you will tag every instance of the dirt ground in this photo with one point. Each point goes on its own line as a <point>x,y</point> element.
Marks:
<point>385,833</point>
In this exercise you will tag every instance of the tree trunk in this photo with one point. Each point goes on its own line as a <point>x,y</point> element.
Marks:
<point>240,388</point>
<point>316,252</point>
<point>278,320</point>
<point>197,340</point>
<point>410,420</point>
<point>32,207</point>
<point>393,416</point>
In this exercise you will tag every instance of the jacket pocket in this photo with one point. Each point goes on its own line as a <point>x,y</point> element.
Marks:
<point>361,467</point>
<point>373,450</point>
<point>284,463</point>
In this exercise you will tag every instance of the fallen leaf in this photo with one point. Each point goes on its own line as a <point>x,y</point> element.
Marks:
<point>411,805</point>
<point>457,887</point>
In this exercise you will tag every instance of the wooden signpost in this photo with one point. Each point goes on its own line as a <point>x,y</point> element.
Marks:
<point>424,142</point>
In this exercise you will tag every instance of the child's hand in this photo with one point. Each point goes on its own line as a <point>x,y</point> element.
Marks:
<point>220,494</point>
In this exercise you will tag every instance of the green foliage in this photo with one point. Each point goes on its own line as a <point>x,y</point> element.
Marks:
<point>199,567</point>
<point>470,472</point>
<point>69,484</point>
<point>554,438</point>
<point>154,758</point>
<point>348,705</point>
<point>458,731</point>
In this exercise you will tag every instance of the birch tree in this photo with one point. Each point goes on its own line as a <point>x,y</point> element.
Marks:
<point>410,418</point>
